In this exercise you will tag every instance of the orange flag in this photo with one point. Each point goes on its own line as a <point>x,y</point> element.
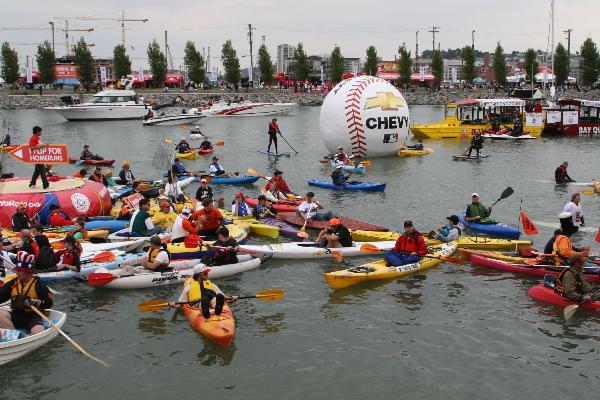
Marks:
<point>528,225</point>
<point>598,236</point>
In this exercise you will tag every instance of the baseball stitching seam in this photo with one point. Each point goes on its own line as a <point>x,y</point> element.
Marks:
<point>354,118</point>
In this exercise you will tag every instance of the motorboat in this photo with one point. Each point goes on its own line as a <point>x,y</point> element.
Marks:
<point>105,105</point>
<point>183,118</point>
<point>246,109</point>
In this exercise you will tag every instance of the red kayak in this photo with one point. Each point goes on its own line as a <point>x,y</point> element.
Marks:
<point>288,206</point>
<point>348,222</point>
<point>73,160</point>
<point>538,270</point>
<point>547,295</point>
<point>206,151</point>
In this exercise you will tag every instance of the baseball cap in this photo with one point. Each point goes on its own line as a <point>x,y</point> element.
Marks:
<point>334,222</point>
<point>201,269</point>
<point>186,210</point>
<point>475,194</point>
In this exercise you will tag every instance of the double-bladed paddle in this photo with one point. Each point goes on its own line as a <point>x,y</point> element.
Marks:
<point>506,193</point>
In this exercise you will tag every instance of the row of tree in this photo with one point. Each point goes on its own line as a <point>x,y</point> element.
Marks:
<point>195,64</point>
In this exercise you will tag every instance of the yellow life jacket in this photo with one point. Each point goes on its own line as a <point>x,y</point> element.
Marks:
<point>195,293</point>
<point>153,253</point>
<point>19,292</point>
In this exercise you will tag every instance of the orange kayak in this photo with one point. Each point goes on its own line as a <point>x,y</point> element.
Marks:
<point>219,328</point>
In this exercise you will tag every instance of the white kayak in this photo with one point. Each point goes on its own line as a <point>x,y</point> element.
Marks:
<point>556,225</point>
<point>506,137</point>
<point>122,236</point>
<point>14,349</point>
<point>300,250</point>
<point>141,280</point>
<point>127,246</point>
<point>570,183</point>
<point>173,119</point>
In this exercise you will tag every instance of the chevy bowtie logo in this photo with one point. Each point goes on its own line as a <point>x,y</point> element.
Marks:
<point>385,100</point>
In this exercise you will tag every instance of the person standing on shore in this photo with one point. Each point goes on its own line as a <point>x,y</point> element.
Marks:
<point>40,169</point>
<point>273,130</point>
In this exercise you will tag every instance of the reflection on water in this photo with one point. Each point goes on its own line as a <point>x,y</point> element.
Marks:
<point>271,323</point>
<point>155,326</point>
<point>215,354</point>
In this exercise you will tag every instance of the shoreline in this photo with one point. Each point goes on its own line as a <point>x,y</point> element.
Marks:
<point>34,101</point>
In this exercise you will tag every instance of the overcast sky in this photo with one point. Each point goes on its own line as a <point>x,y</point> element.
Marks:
<point>352,24</point>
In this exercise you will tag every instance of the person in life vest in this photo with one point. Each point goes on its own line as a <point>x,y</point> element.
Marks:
<point>165,217</point>
<point>141,223</point>
<point>225,249</point>
<point>517,129</point>
<point>239,207</point>
<point>495,124</point>
<point>418,146</point>
<point>281,183</point>
<point>563,250</point>
<point>341,157</point>
<point>150,114</point>
<point>69,257</point>
<point>46,261</point>
<point>549,247</point>
<point>263,208</point>
<point>203,192</point>
<point>24,291</point>
<point>98,176</point>
<point>476,144</point>
<point>477,212</point>
<point>81,174</point>
<point>182,227</point>
<point>28,244</point>
<point>79,232</point>
<point>574,207</point>
<point>209,218</point>
<point>57,217</point>
<point>20,220</point>
<point>273,131</point>
<point>178,169</point>
<point>409,248</point>
<point>337,235</point>
<point>86,154</point>
<point>273,194</point>
<point>448,233</point>
<point>125,175</point>
<point>561,175</point>
<point>183,146</point>
<point>337,176</point>
<point>158,257</point>
<point>206,144</point>
<point>199,289</point>
<point>215,169</point>
<point>572,283</point>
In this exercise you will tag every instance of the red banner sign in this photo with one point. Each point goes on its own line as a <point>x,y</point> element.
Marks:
<point>52,154</point>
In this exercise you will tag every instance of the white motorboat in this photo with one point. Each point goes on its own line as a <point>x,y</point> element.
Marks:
<point>187,118</point>
<point>14,349</point>
<point>105,105</point>
<point>506,136</point>
<point>246,109</point>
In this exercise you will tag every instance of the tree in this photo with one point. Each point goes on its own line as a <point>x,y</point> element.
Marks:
<point>158,63</point>
<point>499,65</point>
<point>301,66</point>
<point>588,66</point>
<point>371,61</point>
<point>404,66</point>
<point>84,61</point>
<point>437,68</point>
<point>337,65</point>
<point>121,61</point>
<point>46,60</point>
<point>9,69</point>
<point>561,65</point>
<point>468,56</point>
<point>531,64</point>
<point>265,65</point>
<point>231,64</point>
<point>194,63</point>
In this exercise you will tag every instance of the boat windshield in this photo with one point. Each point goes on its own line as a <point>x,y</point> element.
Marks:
<point>589,114</point>
<point>111,99</point>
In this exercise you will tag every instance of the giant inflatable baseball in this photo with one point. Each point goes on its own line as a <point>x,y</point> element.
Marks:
<point>366,115</point>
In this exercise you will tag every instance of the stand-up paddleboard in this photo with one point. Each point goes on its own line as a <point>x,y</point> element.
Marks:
<point>271,154</point>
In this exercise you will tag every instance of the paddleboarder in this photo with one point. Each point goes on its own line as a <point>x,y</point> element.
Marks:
<point>476,144</point>
<point>40,169</point>
<point>273,131</point>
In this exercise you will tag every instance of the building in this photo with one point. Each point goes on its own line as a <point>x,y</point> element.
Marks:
<point>285,56</point>
<point>453,70</point>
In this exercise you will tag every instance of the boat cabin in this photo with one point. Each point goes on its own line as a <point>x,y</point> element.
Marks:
<point>120,97</point>
<point>573,117</point>
<point>482,111</point>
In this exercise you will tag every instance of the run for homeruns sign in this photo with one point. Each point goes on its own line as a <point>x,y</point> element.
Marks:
<point>51,154</point>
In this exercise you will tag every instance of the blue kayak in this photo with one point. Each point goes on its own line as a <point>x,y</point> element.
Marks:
<point>359,169</point>
<point>366,186</point>
<point>112,225</point>
<point>498,229</point>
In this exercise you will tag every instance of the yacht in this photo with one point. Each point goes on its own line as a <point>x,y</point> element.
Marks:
<point>245,109</point>
<point>105,105</point>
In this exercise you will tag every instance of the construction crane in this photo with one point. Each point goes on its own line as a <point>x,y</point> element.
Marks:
<point>122,20</point>
<point>66,30</point>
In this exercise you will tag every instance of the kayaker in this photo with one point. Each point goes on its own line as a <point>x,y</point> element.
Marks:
<point>57,217</point>
<point>81,174</point>
<point>572,283</point>
<point>418,146</point>
<point>210,218</point>
<point>495,124</point>
<point>69,257</point>
<point>6,140</point>
<point>150,114</point>
<point>337,235</point>
<point>239,207</point>
<point>79,232</point>
<point>141,223</point>
<point>409,247</point>
<point>46,260</point>
<point>182,227</point>
<point>206,144</point>
<point>183,146</point>
<point>204,191</point>
<point>476,144</point>
<point>158,257</point>
<point>273,131</point>
<point>178,169</point>
<point>549,247</point>
<point>125,175</point>
<point>337,177</point>
<point>40,169</point>
<point>309,208</point>
<point>273,194</point>
<point>477,212</point>
<point>37,232</point>
<point>86,154</point>
<point>448,233</point>
<point>281,183</point>
<point>574,207</point>
<point>24,291</point>
<point>263,209</point>
<point>517,129</point>
<point>225,249</point>
<point>98,176</point>
<point>28,244</point>
<point>199,289</point>
<point>561,175</point>
<point>341,157</point>
<point>173,190</point>
<point>20,220</point>
<point>216,170</point>
<point>165,217</point>
<point>563,249</point>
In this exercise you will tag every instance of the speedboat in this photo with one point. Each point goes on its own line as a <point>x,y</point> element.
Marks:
<point>105,105</point>
<point>245,109</point>
<point>187,118</point>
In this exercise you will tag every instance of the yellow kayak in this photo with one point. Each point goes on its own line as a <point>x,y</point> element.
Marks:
<point>414,153</point>
<point>465,242</point>
<point>187,156</point>
<point>496,255</point>
<point>256,227</point>
<point>379,270</point>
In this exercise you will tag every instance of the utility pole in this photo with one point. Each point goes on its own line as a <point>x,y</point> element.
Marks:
<point>417,50</point>
<point>52,27</point>
<point>166,44</point>
<point>250,75</point>
<point>263,40</point>
<point>473,39</point>
<point>123,27</point>
<point>208,59</point>
<point>568,32</point>
<point>433,31</point>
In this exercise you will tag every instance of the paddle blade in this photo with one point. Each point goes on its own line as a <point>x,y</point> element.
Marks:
<point>587,192</point>
<point>528,226</point>
<point>369,248</point>
<point>454,260</point>
<point>507,193</point>
<point>597,239</point>
<point>100,278</point>
<point>302,235</point>
<point>152,305</point>
<point>271,295</point>
<point>183,126</point>
<point>570,310</point>
<point>220,143</point>
<point>338,255</point>
<point>103,257</point>
<point>324,161</point>
<point>253,172</point>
